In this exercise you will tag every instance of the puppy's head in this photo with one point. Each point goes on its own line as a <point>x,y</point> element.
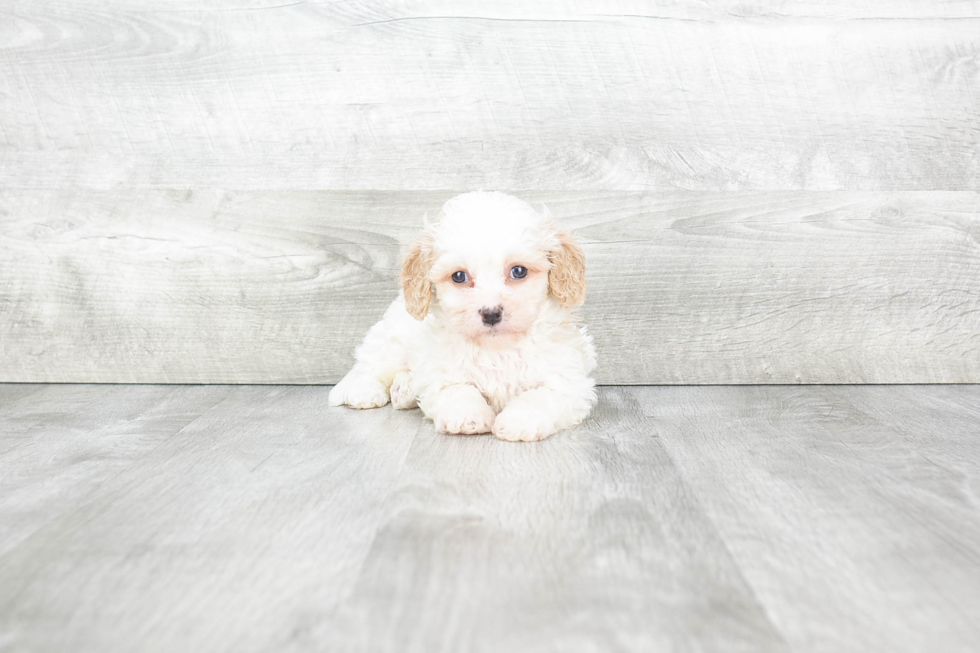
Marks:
<point>489,263</point>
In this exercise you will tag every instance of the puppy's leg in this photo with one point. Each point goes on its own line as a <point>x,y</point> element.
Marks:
<point>402,392</point>
<point>540,412</point>
<point>380,358</point>
<point>359,389</point>
<point>459,409</point>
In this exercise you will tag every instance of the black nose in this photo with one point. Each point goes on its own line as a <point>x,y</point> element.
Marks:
<point>492,315</point>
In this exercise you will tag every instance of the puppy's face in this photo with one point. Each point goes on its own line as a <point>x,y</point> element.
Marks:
<point>491,292</point>
<point>489,263</point>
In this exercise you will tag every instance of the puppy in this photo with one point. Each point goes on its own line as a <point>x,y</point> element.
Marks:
<point>483,337</point>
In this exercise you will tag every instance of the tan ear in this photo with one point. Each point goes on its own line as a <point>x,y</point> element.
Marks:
<point>567,276</point>
<point>415,276</point>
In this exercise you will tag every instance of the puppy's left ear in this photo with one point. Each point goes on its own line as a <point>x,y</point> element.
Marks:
<point>566,279</point>
<point>415,276</point>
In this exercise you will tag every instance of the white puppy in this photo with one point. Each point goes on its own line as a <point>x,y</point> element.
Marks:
<point>483,336</point>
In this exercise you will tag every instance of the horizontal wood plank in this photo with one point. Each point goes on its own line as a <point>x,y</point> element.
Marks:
<point>219,286</point>
<point>589,95</point>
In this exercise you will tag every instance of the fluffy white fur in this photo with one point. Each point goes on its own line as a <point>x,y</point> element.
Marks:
<point>523,378</point>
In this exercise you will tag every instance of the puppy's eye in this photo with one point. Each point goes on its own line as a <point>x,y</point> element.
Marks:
<point>518,272</point>
<point>459,276</point>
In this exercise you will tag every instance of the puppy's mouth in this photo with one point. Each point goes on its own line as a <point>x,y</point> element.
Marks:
<point>499,329</point>
<point>495,325</point>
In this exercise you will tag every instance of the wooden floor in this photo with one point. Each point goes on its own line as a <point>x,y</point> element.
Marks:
<point>255,518</point>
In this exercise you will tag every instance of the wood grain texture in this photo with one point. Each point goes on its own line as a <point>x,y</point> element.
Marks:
<point>585,542</point>
<point>685,288</point>
<point>612,95</point>
<point>803,519</point>
<point>12,392</point>
<point>260,509</point>
<point>59,445</point>
<point>850,532</point>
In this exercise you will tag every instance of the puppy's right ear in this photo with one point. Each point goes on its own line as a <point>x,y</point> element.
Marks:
<point>415,276</point>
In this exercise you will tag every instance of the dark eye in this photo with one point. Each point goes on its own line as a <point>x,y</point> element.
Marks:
<point>459,276</point>
<point>518,272</point>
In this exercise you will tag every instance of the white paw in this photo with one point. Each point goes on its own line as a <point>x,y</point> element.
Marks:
<point>465,417</point>
<point>523,424</point>
<point>359,392</point>
<point>402,394</point>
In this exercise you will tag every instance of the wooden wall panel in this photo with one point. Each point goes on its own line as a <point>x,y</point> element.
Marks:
<point>585,95</point>
<point>206,286</point>
<point>216,190</point>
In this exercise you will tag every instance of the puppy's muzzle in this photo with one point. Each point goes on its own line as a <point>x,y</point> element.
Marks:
<point>492,315</point>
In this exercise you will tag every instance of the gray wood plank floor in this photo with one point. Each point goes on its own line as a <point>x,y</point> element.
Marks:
<point>255,518</point>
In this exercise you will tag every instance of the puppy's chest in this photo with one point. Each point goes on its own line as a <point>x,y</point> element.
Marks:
<point>501,376</point>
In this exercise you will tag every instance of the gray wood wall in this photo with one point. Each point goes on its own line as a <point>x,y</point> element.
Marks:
<point>216,190</point>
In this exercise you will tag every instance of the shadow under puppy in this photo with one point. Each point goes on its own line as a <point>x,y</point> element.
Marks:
<point>483,337</point>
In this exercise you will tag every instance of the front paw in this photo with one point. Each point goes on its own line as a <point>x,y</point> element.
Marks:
<point>465,418</point>
<point>402,393</point>
<point>523,424</point>
<point>359,392</point>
